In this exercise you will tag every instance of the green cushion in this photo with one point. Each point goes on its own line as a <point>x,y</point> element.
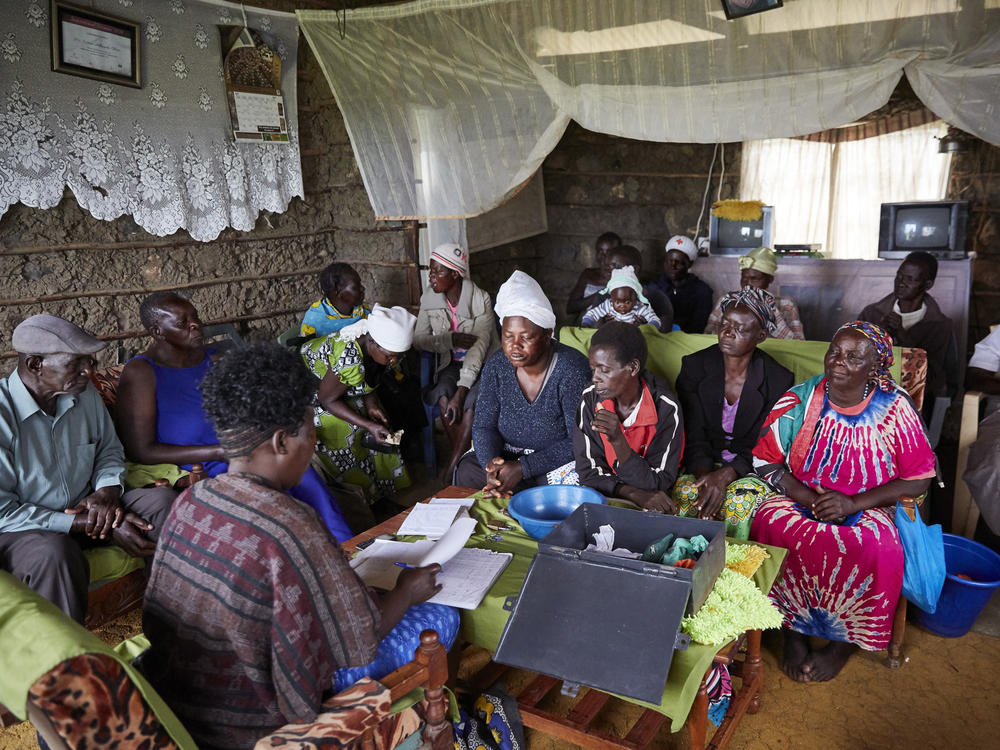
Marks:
<point>111,562</point>
<point>144,475</point>
<point>36,636</point>
<point>803,358</point>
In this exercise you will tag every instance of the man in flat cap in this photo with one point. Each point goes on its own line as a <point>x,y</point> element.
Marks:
<point>61,468</point>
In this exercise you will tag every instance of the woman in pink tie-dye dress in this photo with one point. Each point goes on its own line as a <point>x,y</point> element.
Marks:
<point>840,449</point>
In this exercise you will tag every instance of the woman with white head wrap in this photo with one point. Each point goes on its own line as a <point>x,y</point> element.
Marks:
<point>528,393</point>
<point>353,433</point>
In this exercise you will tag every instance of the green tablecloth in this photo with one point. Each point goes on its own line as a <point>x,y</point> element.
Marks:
<point>484,625</point>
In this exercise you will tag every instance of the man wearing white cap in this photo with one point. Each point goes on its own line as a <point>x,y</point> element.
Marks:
<point>355,443</point>
<point>522,435</point>
<point>456,324</point>
<point>61,468</point>
<point>690,296</point>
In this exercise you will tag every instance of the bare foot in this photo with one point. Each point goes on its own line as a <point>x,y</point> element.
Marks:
<point>825,664</point>
<point>795,654</point>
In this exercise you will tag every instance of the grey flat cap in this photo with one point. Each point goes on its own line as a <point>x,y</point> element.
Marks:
<point>47,334</point>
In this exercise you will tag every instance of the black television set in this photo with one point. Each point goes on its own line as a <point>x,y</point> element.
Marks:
<point>936,227</point>
<point>738,237</point>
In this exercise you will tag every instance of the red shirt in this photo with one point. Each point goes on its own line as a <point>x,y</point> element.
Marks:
<point>639,434</point>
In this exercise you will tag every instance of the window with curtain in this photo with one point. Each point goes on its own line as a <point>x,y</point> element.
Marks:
<point>830,193</point>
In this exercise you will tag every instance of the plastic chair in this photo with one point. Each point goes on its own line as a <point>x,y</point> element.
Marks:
<point>223,336</point>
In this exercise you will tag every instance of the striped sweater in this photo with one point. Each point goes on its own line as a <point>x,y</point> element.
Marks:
<point>250,608</point>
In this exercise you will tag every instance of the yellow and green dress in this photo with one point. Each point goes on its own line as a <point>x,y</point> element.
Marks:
<point>338,443</point>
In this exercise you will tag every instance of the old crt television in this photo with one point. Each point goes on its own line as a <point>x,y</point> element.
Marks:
<point>936,227</point>
<point>734,237</point>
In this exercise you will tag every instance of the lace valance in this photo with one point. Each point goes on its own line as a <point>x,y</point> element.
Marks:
<point>164,153</point>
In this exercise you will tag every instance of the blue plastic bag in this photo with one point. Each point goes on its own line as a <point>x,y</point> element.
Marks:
<point>923,568</point>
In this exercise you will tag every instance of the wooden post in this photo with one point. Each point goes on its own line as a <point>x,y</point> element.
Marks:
<point>411,241</point>
<point>431,653</point>
<point>895,658</point>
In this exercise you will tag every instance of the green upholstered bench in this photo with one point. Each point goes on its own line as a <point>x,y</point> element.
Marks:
<point>68,682</point>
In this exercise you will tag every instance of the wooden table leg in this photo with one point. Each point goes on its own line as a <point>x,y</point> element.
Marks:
<point>753,668</point>
<point>697,721</point>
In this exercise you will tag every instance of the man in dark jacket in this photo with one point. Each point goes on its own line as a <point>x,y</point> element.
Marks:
<point>912,317</point>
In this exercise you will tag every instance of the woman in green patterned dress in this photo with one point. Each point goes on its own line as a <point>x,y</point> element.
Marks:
<point>352,431</point>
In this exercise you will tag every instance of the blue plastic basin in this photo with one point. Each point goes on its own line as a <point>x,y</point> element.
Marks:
<point>962,600</point>
<point>541,509</point>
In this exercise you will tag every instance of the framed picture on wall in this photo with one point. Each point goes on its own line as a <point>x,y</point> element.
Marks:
<point>94,45</point>
<point>740,8</point>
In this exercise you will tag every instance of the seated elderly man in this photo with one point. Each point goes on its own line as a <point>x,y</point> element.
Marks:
<point>61,468</point>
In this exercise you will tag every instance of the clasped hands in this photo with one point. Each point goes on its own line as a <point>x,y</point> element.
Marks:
<point>502,477</point>
<point>832,506</point>
<point>101,513</point>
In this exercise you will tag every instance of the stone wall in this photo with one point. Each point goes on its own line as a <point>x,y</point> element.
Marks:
<point>975,176</point>
<point>65,262</point>
<point>646,192</point>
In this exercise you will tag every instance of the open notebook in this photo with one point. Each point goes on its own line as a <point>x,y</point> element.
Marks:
<point>465,578</point>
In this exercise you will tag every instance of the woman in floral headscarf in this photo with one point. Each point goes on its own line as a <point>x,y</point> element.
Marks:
<point>839,450</point>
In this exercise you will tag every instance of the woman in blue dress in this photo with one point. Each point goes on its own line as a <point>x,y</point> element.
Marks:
<point>160,417</point>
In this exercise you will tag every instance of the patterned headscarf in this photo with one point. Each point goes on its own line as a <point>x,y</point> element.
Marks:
<point>882,342</point>
<point>757,301</point>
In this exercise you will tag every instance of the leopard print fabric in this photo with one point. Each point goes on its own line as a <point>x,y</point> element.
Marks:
<point>344,718</point>
<point>914,373</point>
<point>106,383</point>
<point>92,702</point>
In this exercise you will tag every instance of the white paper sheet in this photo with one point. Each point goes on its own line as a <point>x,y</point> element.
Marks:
<point>429,520</point>
<point>448,545</point>
<point>465,502</point>
<point>465,577</point>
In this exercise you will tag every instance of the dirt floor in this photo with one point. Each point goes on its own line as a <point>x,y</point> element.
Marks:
<point>946,695</point>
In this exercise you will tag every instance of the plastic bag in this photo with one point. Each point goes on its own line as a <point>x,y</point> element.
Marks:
<point>923,568</point>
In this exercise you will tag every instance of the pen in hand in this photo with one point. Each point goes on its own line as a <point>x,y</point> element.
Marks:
<point>405,565</point>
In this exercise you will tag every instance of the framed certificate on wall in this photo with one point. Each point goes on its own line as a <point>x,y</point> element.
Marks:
<point>94,45</point>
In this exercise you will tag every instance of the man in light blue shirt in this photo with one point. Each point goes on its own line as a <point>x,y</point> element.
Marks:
<point>61,468</point>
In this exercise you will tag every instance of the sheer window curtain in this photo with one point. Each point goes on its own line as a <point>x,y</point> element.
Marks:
<point>830,193</point>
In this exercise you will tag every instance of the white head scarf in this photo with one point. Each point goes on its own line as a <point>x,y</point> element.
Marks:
<point>390,327</point>
<point>684,244</point>
<point>625,276</point>
<point>520,295</point>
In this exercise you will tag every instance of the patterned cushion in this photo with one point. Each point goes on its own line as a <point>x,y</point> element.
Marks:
<point>91,702</point>
<point>914,373</point>
<point>106,383</point>
<point>344,718</point>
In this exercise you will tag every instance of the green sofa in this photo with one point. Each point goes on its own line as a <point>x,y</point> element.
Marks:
<point>803,358</point>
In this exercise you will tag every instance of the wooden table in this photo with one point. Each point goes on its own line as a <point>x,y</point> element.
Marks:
<point>576,727</point>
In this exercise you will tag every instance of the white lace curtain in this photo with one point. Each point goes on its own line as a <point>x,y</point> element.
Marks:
<point>451,104</point>
<point>830,193</point>
<point>163,154</point>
